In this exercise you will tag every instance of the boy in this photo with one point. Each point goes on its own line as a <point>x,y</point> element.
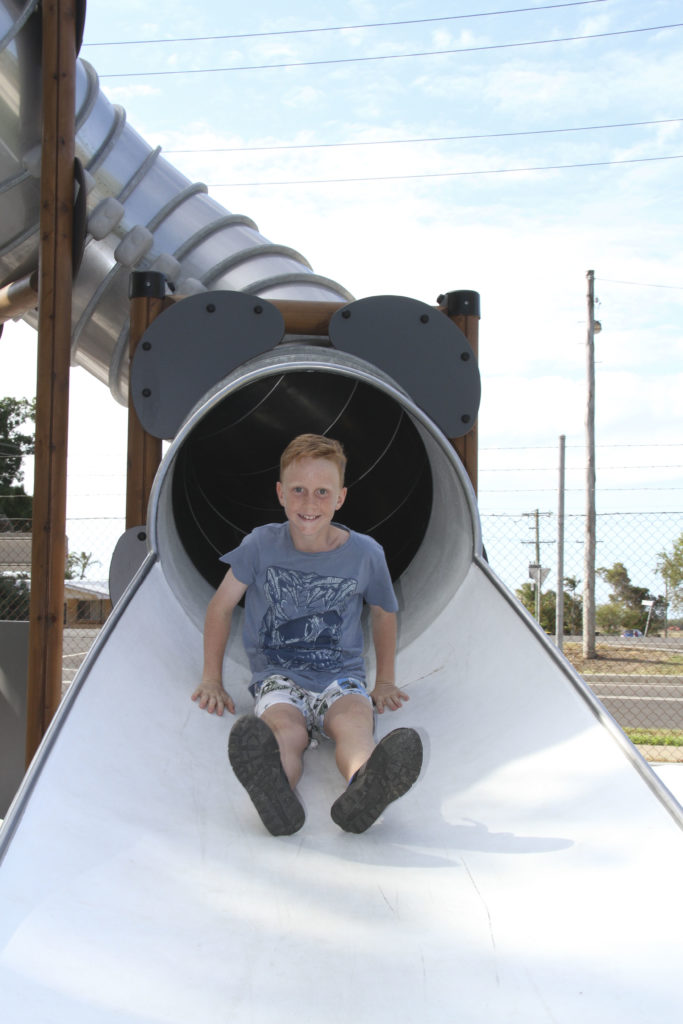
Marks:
<point>305,582</point>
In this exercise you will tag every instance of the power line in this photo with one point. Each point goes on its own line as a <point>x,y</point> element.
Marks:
<point>390,56</point>
<point>444,174</point>
<point>570,469</point>
<point>437,138</point>
<point>547,447</point>
<point>640,284</point>
<point>339,28</point>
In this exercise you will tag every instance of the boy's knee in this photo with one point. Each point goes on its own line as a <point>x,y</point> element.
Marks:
<point>288,724</point>
<point>349,713</point>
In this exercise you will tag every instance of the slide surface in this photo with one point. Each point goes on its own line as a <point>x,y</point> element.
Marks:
<point>532,874</point>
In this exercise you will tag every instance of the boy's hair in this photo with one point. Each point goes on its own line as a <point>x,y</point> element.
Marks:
<point>314,446</point>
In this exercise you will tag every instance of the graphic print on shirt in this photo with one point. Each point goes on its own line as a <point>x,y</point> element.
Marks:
<point>302,627</point>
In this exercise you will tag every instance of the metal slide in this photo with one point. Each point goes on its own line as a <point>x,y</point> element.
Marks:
<point>533,872</point>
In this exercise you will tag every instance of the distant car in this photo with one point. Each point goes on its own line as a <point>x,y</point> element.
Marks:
<point>631,633</point>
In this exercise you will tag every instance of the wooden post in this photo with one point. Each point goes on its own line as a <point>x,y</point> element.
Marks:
<point>464,310</point>
<point>54,352</point>
<point>306,317</point>
<point>147,290</point>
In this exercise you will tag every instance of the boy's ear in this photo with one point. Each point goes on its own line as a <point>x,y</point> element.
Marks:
<point>342,497</point>
<point>280,493</point>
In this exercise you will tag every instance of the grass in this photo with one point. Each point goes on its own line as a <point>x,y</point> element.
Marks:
<point>656,737</point>
<point>632,661</point>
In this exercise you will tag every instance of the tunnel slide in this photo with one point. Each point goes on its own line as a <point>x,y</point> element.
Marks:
<point>532,873</point>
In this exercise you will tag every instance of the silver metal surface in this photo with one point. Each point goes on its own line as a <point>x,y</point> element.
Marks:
<point>191,233</point>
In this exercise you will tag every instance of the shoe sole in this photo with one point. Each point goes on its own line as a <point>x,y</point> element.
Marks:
<point>255,759</point>
<point>389,772</point>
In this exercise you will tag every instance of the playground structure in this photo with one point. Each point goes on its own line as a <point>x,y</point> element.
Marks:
<point>504,884</point>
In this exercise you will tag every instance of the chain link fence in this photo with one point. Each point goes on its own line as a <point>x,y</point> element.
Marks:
<point>638,669</point>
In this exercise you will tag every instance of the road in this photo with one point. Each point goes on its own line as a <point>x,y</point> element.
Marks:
<point>641,701</point>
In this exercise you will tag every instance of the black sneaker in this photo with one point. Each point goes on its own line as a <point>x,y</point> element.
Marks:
<point>389,772</point>
<point>255,759</point>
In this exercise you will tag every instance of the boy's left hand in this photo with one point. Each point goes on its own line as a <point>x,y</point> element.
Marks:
<point>387,695</point>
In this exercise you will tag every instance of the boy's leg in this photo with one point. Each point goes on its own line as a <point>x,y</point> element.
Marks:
<point>386,773</point>
<point>256,758</point>
<point>350,723</point>
<point>291,732</point>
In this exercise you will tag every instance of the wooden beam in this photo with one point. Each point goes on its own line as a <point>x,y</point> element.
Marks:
<point>144,451</point>
<point>306,317</point>
<point>54,352</point>
<point>462,307</point>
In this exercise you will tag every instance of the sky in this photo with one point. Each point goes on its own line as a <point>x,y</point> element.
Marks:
<point>420,147</point>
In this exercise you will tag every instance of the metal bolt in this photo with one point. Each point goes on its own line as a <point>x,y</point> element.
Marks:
<point>146,345</point>
<point>466,418</point>
<point>464,356</point>
<point>142,535</point>
<point>424,319</point>
<point>146,392</point>
<point>258,309</point>
<point>210,308</point>
<point>346,313</point>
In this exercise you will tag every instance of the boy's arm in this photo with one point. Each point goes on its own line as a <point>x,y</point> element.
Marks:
<point>210,693</point>
<point>385,694</point>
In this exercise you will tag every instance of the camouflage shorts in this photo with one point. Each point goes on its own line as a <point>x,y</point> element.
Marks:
<point>313,706</point>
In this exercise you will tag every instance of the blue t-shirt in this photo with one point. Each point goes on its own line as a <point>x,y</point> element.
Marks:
<point>303,609</point>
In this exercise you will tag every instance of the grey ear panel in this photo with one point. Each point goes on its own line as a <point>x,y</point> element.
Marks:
<point>129,554</point>
<point>192,346</point>
<point>421,349</point>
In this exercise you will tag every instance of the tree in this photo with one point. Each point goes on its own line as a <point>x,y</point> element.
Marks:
<point>572,605</point>
<point>78,564</point>
<point>670,568</point>
<point>14,597</point>
<point>16,506</point>
<point>625,607</point>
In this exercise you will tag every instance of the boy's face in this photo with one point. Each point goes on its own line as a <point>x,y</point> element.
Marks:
<point>310,493</point>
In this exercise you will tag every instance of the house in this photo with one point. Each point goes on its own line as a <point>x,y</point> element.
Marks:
<point>86,603</point>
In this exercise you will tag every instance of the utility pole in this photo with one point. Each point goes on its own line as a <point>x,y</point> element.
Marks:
<point>589,536</point>
<point>559,604</point>
<point>536,571</point>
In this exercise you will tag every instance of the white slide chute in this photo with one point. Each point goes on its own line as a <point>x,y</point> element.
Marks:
<point>533,872</point>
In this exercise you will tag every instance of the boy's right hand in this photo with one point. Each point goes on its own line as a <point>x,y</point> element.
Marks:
<point>211,697</point>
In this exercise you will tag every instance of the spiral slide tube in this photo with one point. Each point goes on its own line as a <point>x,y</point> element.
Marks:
<point>511,883</point>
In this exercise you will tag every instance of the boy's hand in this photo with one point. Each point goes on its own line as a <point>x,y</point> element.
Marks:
<point>387,695</point>
<point>213,698</point>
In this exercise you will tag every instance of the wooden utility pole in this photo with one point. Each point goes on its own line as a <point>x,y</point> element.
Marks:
<point>589,537</point>
<point>54,357</point>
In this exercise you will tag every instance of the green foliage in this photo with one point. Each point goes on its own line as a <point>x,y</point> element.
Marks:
<point>572,607</point>
<point>656,737</point>
<point>16,506</point>
<point>670,568</point>
<point>14,598</point>
<point>77,565</point>
<point>625,607</point>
